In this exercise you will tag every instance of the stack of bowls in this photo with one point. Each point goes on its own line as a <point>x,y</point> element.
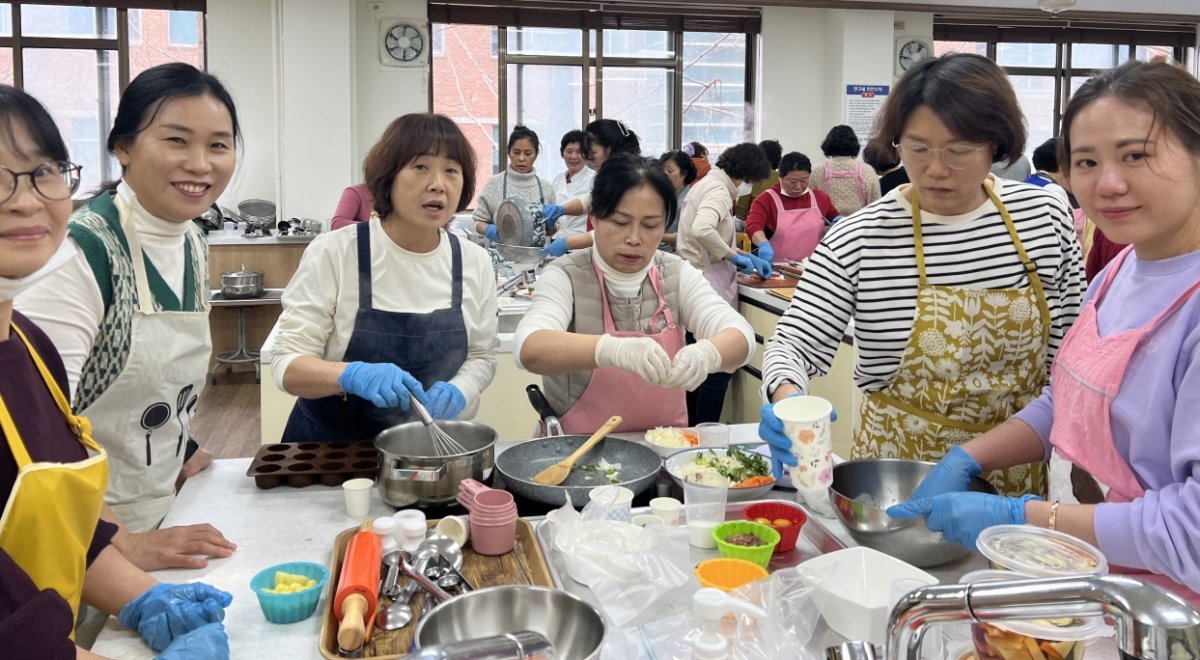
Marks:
<point>492,519</point>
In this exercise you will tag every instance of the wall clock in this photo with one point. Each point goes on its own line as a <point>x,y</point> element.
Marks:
<point>403,43</point>
<point>909,51</point>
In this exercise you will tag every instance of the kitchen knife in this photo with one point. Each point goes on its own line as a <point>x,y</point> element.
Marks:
<point>356,598</point>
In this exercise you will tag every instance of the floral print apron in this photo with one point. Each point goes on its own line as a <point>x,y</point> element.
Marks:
<point>975,357</point>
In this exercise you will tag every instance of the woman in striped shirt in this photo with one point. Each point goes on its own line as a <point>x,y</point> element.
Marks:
<point>960,286</point>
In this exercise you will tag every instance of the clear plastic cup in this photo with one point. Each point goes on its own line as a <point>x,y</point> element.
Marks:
<point>713,434</point>
<point>705,501</point>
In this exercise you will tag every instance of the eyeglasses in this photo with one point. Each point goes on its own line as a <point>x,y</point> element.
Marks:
<point>56,180</point>
<point>956,156</point>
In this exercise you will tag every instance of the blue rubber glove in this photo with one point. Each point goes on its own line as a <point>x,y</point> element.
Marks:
<point>743,264</point>
<point>445,401</point>
<point>385,385</point>
<point>552,212</point>
<point>761,266</point>
<point>952,474</point>
<point>960,517</point>
<point>557,247</point>
<point>208,641</point>
<point>770,429</point>
<point>167,611</point>
<point>492,233</point>
<point>766,252</point>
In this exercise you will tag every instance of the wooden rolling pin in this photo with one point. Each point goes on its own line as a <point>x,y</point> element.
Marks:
<point>355,602</point>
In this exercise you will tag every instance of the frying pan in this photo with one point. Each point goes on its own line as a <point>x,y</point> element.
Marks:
<point>519,464</point>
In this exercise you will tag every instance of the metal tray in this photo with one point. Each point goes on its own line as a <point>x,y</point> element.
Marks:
<point>814,541</point>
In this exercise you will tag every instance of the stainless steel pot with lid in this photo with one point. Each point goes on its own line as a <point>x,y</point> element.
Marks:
<point>242,283</point>
<point>414,472</point>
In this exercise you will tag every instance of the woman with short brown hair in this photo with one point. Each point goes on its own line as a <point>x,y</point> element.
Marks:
<point>961,286</point>
<point>394,308</point>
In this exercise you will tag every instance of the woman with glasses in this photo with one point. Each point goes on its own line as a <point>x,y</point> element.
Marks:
<point>55,551</point>
<point>130,313</point>
<point>960,285</point>
<point>1118,422</point>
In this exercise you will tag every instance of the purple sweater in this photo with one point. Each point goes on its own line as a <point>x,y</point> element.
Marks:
<point>1155,424</point>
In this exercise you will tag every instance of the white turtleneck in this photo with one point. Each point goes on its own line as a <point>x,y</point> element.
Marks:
<point>67,304</point>
<point>622,285</point>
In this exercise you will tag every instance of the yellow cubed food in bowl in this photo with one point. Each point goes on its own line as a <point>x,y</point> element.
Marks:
<point>289,578</point>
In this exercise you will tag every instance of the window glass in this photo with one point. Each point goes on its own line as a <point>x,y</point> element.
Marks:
<point>5,19</point>
<point>72,84</point>
<point>640,97</point>
<point>1155,53</point>
<point>1093,56</point>
<point>942,47</point>
<point>637,43</point>
<point>59,21</point>
<point>6,66</point>
<point>544,41</point>
<point>1035,94</point>
<point>183,28</point>
<point>465,89</point>
<point>545,98</point>
<point>714,89</point>
<point>135,26</point>
<point>156,44</point>
<point>1032,55</point>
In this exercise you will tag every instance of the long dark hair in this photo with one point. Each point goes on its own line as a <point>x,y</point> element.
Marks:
<point>614,135</point>
<point>18,107</point>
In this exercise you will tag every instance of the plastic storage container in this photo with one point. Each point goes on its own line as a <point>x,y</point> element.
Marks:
<point>1039,552</point>
<point>293,607</point>
<point>1034,639</point>
<point>759,554</point>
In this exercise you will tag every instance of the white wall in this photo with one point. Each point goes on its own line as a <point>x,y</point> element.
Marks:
<point>808,56</point>
<point>382,93</point>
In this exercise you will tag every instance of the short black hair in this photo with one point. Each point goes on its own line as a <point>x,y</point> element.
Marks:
<point>792,162</point>
<point>621,173</point>
<point>841,141</point>
<point>773,150</point>
<point>699,150</point>
<point>745,161</point>
<point>18,108</point>
<point>144,98</point>
<point>684,162</point>
<point>573,136</point>
<point>1045,157</point>
<point>520,132</point>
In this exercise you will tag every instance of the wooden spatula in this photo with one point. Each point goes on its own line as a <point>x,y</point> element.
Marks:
<point>557,473</point>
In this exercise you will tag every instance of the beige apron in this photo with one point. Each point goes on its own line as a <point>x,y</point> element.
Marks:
<point>975,357</point>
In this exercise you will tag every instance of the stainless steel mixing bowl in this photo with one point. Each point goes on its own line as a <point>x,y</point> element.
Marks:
<point>574,627</point>
<point>862,490</point>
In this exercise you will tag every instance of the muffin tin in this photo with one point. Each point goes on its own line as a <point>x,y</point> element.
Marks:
<point>300,464</point>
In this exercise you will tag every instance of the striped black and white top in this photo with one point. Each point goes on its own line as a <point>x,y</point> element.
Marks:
<point>865,270</point>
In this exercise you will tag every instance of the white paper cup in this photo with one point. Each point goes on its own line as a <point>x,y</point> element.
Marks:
<point>615,501</point>
<point>700,533</point>
<point>647,520</point>
<point>806,422</point>
<point>456,527</point>
<point>713,434</point>
<point>667,508</point>
<point>358,496</point>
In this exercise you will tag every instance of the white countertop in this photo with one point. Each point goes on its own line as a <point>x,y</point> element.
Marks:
<point>289,524</point>
<point>219,238</point>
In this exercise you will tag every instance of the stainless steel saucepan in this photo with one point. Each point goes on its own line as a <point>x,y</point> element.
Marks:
<point>242,283</point>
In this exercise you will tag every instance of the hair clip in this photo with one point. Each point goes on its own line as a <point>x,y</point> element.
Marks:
<point>623,127</point>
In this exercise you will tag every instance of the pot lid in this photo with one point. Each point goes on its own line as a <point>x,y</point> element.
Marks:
<point>243,273</point>
<point>520,223</point>
<point>256,207</point>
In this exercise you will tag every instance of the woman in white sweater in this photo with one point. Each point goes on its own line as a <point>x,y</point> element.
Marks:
<point>519,179</point>
<point>606,327</point>
<point>393,308</point>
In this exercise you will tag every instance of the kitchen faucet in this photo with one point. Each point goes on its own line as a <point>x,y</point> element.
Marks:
<point>524,278</point>
<point>1152,623</point>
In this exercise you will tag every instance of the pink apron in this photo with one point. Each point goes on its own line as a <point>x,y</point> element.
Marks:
<point>846,174</point>
<point>797,231</point>
<point>613,391</point>
<point>1085,465</point>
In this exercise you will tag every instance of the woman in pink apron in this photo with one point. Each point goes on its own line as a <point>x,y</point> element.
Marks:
<point>788,219</point>
<point>606,326</point>
<point>842,176</point>
<point>1119,424</point>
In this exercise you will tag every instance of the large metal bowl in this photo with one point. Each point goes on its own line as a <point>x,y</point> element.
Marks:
<point>861,492</point>
<point>573,626</point>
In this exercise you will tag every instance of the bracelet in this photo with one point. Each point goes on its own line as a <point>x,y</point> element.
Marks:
<point>1053,515</point>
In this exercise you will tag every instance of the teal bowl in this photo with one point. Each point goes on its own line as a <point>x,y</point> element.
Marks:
<point>289,608</point>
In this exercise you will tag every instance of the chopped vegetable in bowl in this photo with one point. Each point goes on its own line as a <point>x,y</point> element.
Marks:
<point>743,470</point>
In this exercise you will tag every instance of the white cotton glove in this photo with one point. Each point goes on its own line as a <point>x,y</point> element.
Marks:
<point>692,364</point>
<point>641,355</point>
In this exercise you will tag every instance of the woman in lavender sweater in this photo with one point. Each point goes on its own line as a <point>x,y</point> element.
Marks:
<point>1119,424</point>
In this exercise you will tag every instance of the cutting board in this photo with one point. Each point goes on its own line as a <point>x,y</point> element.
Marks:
<point>786,294</point>
<point>776,281</point>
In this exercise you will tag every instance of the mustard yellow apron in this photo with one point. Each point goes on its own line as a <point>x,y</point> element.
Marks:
<point>51,514</point>
<point>975,357</point>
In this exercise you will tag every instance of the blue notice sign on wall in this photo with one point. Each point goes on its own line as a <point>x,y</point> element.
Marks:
<point>863,103</point>
<point>867,90</point>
